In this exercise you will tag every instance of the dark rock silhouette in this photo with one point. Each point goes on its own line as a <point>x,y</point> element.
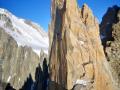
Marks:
<point>28,83</point>
<point>45,74</point>
<point>107,22</point>
<point>9,87</point>
<point>41,78</point>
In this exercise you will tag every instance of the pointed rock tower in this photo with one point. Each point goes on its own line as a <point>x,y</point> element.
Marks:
<point>76,53</point>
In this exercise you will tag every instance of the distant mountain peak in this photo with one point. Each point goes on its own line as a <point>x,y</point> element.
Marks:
<point>25,33</point>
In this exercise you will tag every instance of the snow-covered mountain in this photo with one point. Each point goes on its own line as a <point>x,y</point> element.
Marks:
<point>26,33</point>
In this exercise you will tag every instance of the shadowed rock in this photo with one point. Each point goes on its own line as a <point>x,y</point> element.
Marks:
<point>110,28</point>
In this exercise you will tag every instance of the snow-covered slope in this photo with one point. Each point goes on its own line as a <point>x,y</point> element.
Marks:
<point>26,33</point>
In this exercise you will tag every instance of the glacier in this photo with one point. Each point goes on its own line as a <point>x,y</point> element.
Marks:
<point>25,33</point>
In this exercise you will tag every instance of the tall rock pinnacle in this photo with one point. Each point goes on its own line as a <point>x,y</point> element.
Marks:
<point>76,53</point>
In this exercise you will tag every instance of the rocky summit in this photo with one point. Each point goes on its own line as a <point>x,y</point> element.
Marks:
<point>76,56</point>
<point>110,32</point>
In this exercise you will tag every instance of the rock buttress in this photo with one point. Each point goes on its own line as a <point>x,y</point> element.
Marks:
<point>110,30</point>
<point>76,53</point>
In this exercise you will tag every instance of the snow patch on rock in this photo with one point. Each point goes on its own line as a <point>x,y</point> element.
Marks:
<point>25,34</point>
<point>81,42</point>
<point>19,79</point>
<point>8,80</point>
<point>81,82</point>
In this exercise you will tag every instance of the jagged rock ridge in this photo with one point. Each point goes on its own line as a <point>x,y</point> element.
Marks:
<point>76,52</point>
<point>110,30</point>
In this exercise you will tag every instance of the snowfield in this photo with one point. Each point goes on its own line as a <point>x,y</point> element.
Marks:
<point>26,33</point>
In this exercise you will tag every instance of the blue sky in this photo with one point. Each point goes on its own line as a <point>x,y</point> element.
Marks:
<point>39,10</point>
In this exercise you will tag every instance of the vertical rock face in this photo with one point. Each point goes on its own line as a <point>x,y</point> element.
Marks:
<point>110,29</point>
<point>18,64</point>
<point>76,53</point>
<point>17,61</point>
